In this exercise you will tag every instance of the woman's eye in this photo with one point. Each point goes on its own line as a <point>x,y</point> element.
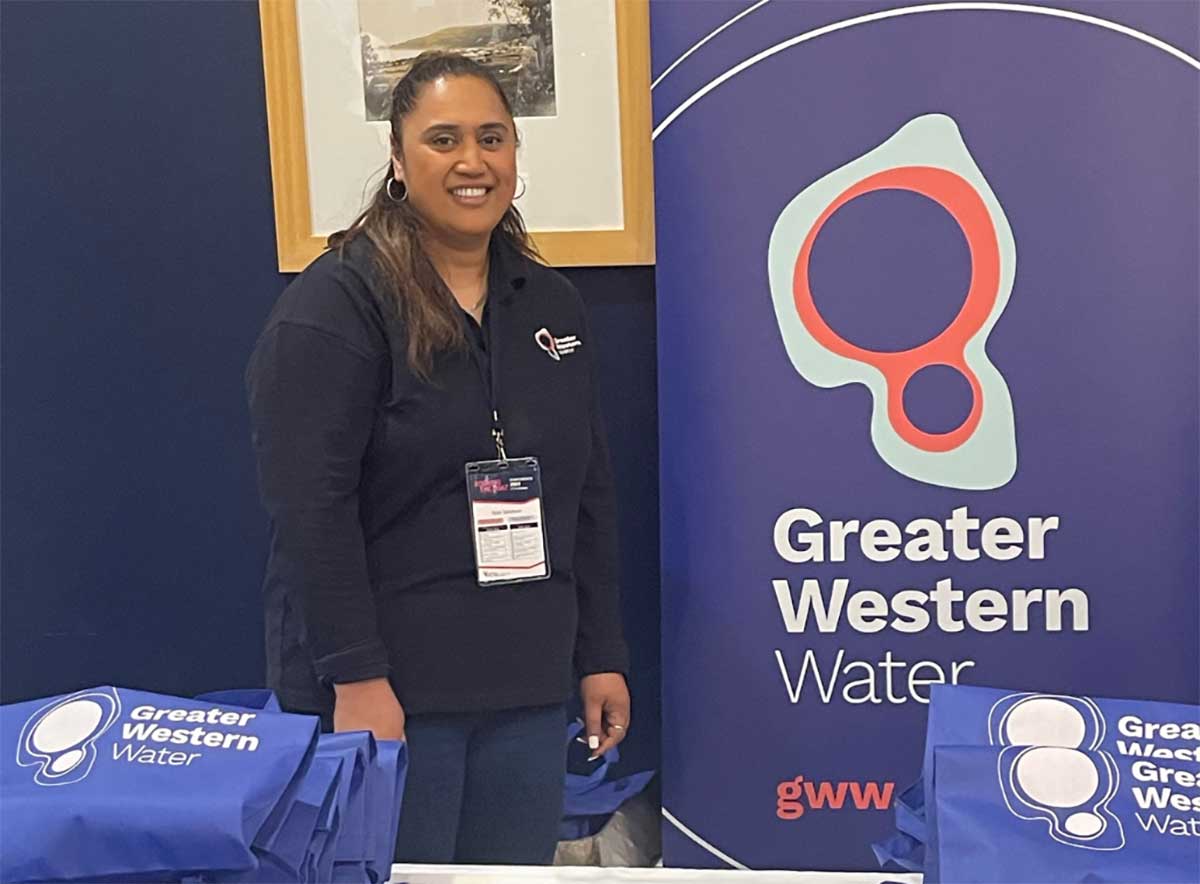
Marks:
<point>491,140</point>
<point>443,141</point>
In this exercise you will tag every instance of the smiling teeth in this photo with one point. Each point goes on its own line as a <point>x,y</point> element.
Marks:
<point>469,191</point>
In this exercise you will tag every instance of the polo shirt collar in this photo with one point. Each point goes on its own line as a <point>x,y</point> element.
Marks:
<point>509,267</point>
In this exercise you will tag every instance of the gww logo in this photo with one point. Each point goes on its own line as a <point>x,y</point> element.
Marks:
<point>795,797</point>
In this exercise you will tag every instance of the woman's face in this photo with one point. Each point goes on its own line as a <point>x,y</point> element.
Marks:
<point>458,157</point>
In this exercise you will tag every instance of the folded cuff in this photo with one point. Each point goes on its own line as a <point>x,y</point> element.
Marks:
<point>359,662</point>
<point>592,662</point>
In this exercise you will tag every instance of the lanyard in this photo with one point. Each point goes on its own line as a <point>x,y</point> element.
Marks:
<point>491,377</point>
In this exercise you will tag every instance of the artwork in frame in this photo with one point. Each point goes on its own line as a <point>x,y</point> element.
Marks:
<point>576,71</point>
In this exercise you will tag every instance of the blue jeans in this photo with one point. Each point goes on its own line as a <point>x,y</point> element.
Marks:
<point>484,787</point>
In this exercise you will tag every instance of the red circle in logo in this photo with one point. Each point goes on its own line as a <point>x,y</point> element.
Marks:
<point>958,197</point>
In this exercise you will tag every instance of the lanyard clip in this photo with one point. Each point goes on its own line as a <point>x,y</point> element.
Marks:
<point>498,436</point>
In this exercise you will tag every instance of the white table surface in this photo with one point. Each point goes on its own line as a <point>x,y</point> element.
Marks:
<point>416,874</point>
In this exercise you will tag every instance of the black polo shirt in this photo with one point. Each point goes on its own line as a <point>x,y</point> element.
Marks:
<point>371,570</point>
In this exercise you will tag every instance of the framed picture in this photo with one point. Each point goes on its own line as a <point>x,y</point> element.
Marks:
<point>577,72</point>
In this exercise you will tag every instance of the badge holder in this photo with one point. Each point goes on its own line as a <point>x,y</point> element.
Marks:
<point>508,526</point>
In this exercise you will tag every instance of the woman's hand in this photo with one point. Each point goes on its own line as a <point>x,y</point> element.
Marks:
<point>369,705</point>
<point>605,710</point>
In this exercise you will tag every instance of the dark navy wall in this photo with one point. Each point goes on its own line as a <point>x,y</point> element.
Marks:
<point>138,267</point>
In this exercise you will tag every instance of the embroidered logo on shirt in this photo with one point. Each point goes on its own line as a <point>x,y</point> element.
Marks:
<point>556,348</point>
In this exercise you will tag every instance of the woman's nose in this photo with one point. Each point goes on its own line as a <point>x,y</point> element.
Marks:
<point>471,158</point>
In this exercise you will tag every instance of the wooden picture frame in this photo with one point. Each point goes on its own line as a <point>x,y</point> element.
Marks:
<point>632,243</point>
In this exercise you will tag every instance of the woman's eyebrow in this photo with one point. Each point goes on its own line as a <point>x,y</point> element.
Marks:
<point>455,128</point>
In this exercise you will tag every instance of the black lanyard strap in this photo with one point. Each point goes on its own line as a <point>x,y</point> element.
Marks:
<point>493,385</point>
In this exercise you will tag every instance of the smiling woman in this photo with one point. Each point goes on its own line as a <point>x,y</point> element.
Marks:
<point>451,182</point>
<point>410,355</point>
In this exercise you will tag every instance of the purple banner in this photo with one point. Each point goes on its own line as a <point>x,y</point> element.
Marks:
<point>928,297</point>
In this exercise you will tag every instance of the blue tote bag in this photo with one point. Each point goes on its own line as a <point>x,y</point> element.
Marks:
<point>359,832</point>
<point>1002,795</point>
<point>356,750</point>
<point>590,799</point>
<point>386,794</point>
<point>369,803</point>
<point>318,861</point>
<point>301,846</point>
<point>115,783</point>
<point>282,843</point>
<point>961,715</point>
<point>1055,814</point>
<point>245,698</point>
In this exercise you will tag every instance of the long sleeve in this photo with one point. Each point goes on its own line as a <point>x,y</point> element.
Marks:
<point>600,644</point>
<point>313,398</point>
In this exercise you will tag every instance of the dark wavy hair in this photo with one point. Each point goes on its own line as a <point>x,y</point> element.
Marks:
<point>432,318</point>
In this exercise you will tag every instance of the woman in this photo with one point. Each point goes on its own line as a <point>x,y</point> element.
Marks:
<point>426,341</point>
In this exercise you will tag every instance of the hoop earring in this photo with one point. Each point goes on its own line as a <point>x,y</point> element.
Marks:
<point>524,187</point>
<point>392,196</point>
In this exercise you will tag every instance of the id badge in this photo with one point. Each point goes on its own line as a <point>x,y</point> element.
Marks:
<point>508,527</point>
